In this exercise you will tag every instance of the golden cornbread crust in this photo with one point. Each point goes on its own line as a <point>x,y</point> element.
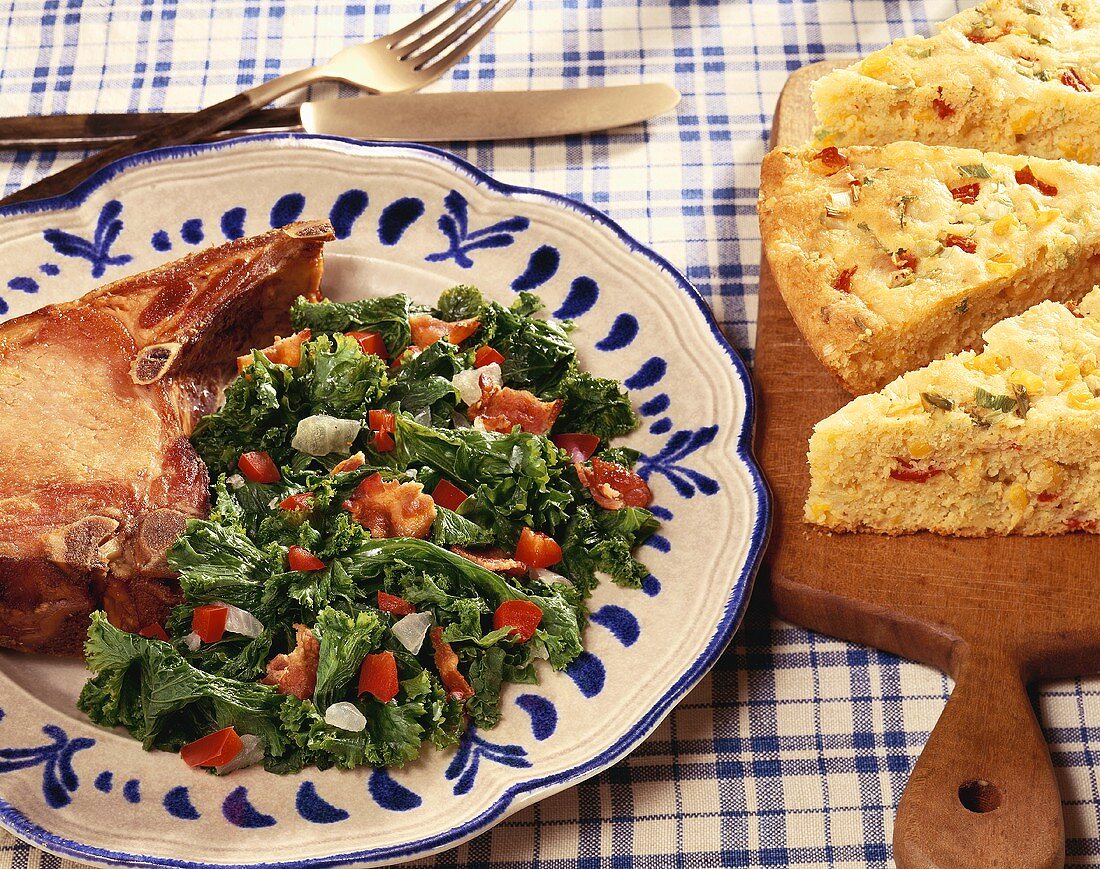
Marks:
<point>1002,442</point>
<point>891,256</point>
<point>1012,76</point>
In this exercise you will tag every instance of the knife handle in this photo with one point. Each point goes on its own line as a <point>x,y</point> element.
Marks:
<point>179,131</point>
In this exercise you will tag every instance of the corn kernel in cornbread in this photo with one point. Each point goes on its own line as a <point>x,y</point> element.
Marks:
<point>1014,76</point>
<point>1005,448</point>
<point>891,256</point>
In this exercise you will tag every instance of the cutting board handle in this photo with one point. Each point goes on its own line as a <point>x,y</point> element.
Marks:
<point>983,793</point>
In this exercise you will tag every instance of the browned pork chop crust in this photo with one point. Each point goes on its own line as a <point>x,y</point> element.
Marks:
<point>97,399</point>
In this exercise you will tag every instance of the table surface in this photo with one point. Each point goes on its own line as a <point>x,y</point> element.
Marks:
<point>795,749</point>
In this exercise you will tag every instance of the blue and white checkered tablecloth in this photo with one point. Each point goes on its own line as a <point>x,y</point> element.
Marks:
<point>796,748</point>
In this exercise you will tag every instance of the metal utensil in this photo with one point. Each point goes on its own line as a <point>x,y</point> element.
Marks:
<point>474,116</point>
<point>405,60</point>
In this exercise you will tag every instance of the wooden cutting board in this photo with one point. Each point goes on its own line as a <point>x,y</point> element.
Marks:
<point>996,614</point>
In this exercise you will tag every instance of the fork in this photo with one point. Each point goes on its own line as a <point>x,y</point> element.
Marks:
<point>406,60</point>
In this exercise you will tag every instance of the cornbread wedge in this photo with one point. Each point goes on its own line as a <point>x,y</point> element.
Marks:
<point>889,257</point>
<point>1006,441</point>
<point>1013,76</point>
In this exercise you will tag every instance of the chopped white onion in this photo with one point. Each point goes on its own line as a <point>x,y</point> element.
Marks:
<point>252,752</point>
<point>320,435</point>
<point>345,716</point>
<point>192,641</point>
<point>468,382</point>
<point>239,621</point>
<point>235,481</point>
<point>423,416</point>
<point>839,205</point>
<point>544,575</point>
<point>460,420</point>
<point>410,630</point>
<point>274,502</point>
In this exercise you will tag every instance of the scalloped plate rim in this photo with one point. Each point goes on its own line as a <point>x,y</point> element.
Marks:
<point>511,799</point>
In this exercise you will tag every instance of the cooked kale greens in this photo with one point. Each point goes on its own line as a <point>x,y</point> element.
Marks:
<point>168,694</point>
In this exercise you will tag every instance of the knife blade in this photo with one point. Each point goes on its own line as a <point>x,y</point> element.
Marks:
<point>442,117</point>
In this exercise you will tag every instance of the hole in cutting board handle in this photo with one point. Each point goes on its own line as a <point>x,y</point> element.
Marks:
<point>979,796</point>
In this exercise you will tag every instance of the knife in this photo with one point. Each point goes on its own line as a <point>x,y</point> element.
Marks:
<point>433,117</point>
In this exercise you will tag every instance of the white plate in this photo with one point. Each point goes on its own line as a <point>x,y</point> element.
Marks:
<point>416,220</point>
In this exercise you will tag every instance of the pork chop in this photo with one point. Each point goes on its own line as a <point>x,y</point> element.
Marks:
<point>97,400</point>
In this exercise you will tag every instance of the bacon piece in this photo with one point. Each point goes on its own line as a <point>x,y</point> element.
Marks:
<point>831,158</point>
<point>352,463</point>
<point>1026,176</point>
<point>494,559</point>
<point>446,661</point>
<point>284,351</point>
<point>961,242</point>
<point>613,486</point>
<point>296,673</point>
<point>967,194</point>
<point>501,409</point>
<point>1071,78</point>
<point>843,281</point>
<point>426,329</point>
<point>391,509</point>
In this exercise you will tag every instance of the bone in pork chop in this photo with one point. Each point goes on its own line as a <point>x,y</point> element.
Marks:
<point>97,399</point>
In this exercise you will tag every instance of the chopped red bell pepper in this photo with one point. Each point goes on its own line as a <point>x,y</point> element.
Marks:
<point>154,631</point>
<point>579,446</point>
<point>961,242</point>
<point>378,676</point>
<point>521,615</point>
<point>394,604</point>
<point>299,501</point>
<point>536,549</point>
<point>843,281</point>
<point>370,343</point>
<point>966,193</point>
<point>383,442</point>
<point>446,661</point>
<point>209,622</point>
<point>1026,176</point>
<point>447,494</point>
<point>302,559</point>
<point>905,472</point>
<point>215,749</point>
<point>258,467</point>
<point>487,356</point>
<point>832,158</point>
<point>381,420</point>
<point>1071,78</point>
